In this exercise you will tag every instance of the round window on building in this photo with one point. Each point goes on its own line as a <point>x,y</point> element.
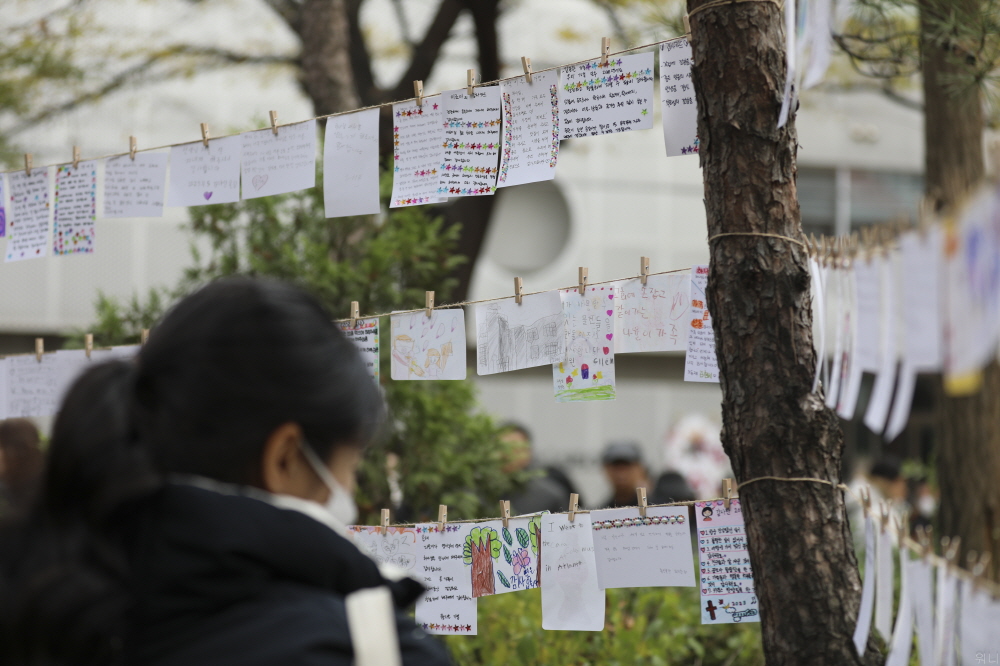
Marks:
<point>529,227</point>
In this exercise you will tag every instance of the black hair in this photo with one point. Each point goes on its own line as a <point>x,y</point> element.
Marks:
<point>225,367</point>
<point>519,428</point>
<point>707,508</point>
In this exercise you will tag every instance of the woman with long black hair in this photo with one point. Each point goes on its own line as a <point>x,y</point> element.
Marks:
<point>194,503</point>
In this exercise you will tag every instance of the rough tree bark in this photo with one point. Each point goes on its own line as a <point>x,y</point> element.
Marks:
<point>798,535</point>
<point>327,76</point>
<point>968,433</point>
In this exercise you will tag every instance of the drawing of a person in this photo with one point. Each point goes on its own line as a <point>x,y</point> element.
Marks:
<point>706,514</point>
<point>402,358</point>
<point>436,361</point>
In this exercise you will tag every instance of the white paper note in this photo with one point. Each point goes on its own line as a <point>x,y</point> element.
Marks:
<point>3,205</point>
<point>728,594</point>
<point>700,363</point>
<point>839,285</point>
<point>75,209</point>
<point>571,597</point>
<point>632,552</point>
<point>447,607</point>
<point>502,559</point>
<point>135,188</point>
<point>512,337</point>
<point>471,144</point>
<point>884,583</point>
<point>817,281</point>
<point>202,175</point>
<point>28,222</point>
<point>417,137</point>
<point>868,304</point>
<point>980,620</point>
<point>530,129</point>
<point>277,164</point>
<point>428,347</point>
<point>885,380</point>
<point>945,617</point>
<point>588,372</point>
<point>863,627</point>
<point>350,164</point>
<point>364,335</point>
<point>653,317</point>
<point>922,604</point>
<point>32,386</point>
<point>3,388</point>
<point>850,370</point>
<point>618,97</point>
<point>922,256</point>
<point>902,633</point>
<point>677,102</point>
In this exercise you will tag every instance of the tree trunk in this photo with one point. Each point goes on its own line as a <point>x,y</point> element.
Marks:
<point>968,433</point>
<point>482,569</point>
<point>798,535</point>
<point>327,74</point>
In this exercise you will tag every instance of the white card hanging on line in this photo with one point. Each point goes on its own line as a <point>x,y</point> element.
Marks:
<point>278,163</point>
<point>3,205</point>
<point>3,388</point>
<point>501,559</point>
<point>654,551</point>
<point>425,347</point>
<point>588,371</point>
<point>885,380</point>
<point>530,129</point>
<point>512,337</point>
<point>364,335</point>
<point>571,597</point>
<point>595,100</point>
<point>728,594</point>
<point>700,363</point>
<point>396,547</point>
<point>864,623</point>
<point>654,316</point>
<point>817,274</point>
<point>945,617</point>
<point>32,386</point>
<point>980,618</point>
<point>350,164</point>
<point>922,254</point>
<point>471,142</point>
<point>884,582</point>
<point>447,606</point>
<point>28,220</point>
<point>73,220</point>
<point>417,135</point>
<point>135,188</point>
<point>677,100</point>
<point>849,376</point>
<point>201,175</point>
<point>902,633</point>
<point>922,603</point>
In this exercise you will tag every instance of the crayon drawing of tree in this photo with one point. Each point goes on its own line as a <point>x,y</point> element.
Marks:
<point>482,546</point>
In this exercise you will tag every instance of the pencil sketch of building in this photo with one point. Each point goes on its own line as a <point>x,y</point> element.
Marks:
<point>503,347</point>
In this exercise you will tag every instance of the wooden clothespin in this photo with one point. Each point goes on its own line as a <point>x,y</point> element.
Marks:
<point>274,121</point>
<point>950,550</point>
<point>605,50</point>
<point>526,65</point>
<point>924,539</point>
<point>518,290</point>
<point>505,512</point>
<point>204,134</point>
<point>27,164</point>
<point>88,343</point>
<point>418,92</point>
<point>582,286</point>
<point>574,505</point>
<point>355,312</point>
<point>144,337</point>
<point>866,499</point>
<point>727,492</point>
<point>442,516</point>
<point>640,494</point>
<point>132,147</point>
<point>644,269</point>
<point>470,82</point>
<point>385,522</point>
<point>76,157</point>
<point>687,27</point>
<point>39,348</point>
<point>979,570</point>
<point>429,303</point>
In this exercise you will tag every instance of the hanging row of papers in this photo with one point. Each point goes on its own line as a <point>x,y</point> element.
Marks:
<point>449,145</point>
<point>573,560</point>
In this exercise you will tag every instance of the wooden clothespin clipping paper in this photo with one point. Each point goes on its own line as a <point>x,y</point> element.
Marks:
<point>582,275</point>
<point>88,344</point>
<point>355,312</point>
<point>418,92</point>
<point>429,303</point>
<point>518,290</point>
<point>644,269</point>
<point>27,164</point>
<point>76,157</point>
<point>505,512</point>
<point>133,145</point>
<point>385,522</point>
<point>442,516</point>
<point>274,121</point>
<point>605,50</point>
<point>640,494</point>
<point>204,134</point>
<point>574,505</point>
<point>470,82</point>
<point>526,65</point>
<point>39,348</point>
<point>727,492</point>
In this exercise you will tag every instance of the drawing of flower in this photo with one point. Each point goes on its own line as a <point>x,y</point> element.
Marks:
<point>521,560</point>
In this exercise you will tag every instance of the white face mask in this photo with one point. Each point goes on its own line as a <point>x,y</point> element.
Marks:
<point>341,504</point>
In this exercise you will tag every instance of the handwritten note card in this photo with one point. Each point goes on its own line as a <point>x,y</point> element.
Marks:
<point>727,589</point>
<point>680,113</point>
<point>502,559</point>
<point>571,598</point>
<point>32,386</point>
<point>417,140</point>
<point>29,215</point>
<point>350,164</point>
<point>700,364</point>
<point>863,626</point>
<point>3,388</point>
<point>654,551</point>
<point>75,209</point>
<point>3,206</point>
<point>471,142</point>
<point>135,188</point>
<point>588,371</point>
<point>596,100</point>
<point>654,316</point>
<point>364,335</point>
<point>447,607</point>
<point>428,347</point>
<point>511,336</point>
<point>202,175</point>
<point>530,129</point>
<point>279,163</point>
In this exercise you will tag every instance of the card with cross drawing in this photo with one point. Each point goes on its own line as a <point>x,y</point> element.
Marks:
<point>727,590</point>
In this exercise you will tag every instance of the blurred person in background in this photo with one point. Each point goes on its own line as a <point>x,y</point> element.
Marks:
<point>195,503</point>
<point>671,487</point>
<point>544,490</point>
<point>625,470</point>
<point>21,463</point>
<point>694,449</point>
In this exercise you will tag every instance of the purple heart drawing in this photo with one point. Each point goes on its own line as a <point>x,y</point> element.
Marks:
<point>259,181</point>
<point>609,336</point>
<point>610,312</point>
<point>207,195</point>
<point>611,295</point>
<point>704,591</point>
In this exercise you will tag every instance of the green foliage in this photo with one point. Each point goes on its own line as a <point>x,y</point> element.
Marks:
<point>642,626</point>
<point>522,537</point>
<point>534,533</point>
<point>503,579</point>
<point>507,556</point>
<point>481,537</point>
<point>506,537</point>
<point>121,323</point>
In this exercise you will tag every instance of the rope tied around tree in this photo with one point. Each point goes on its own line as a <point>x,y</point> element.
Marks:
<point>754,233</point>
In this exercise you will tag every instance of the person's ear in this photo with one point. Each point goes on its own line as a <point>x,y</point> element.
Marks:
<point>283,468</point>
